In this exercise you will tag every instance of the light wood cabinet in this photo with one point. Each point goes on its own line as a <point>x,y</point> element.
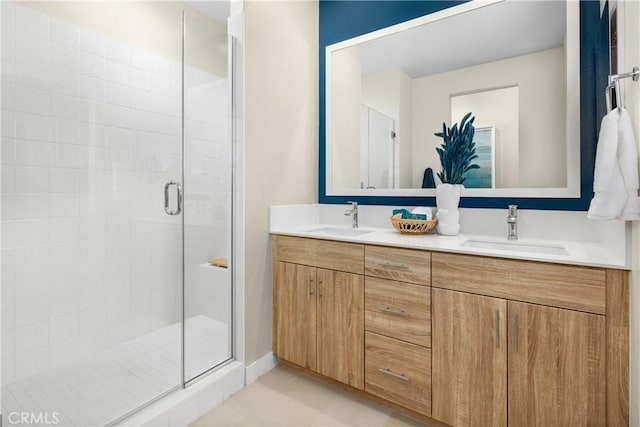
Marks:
<point>295,314</point>
<point>469,373</point>
<point>402,265</point>
<point>318,316</point>
<point>398,310</point>
<point>340,327</point>
<point>338,256</point>
<point>554,360</point>
<point>399,372</point>
<point>565,286</point>
<point>456,339</point>
<point>398,326</point>
<point>556,367</point>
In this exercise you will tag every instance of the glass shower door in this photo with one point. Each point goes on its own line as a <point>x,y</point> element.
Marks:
<point>92,264</point>
<point>381,150</point>
<point>207,197</point>
<point>378,148</point>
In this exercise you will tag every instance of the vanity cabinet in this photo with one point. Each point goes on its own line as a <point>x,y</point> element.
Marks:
<point>464,340</point>
<point>545,364</point>
<point>318,318</point>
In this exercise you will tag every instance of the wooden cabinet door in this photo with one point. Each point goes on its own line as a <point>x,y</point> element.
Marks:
<point>469,358</point>
<point>295,314</point>
<point>341,326</point>
<point>556,367</point>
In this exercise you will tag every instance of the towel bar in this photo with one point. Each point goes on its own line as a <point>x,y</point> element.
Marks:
<point>614,82</point>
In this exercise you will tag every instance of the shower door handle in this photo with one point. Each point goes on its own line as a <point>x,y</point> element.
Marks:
<point>166,198</point>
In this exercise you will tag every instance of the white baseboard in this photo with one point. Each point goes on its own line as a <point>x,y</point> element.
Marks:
<point>260,367</point>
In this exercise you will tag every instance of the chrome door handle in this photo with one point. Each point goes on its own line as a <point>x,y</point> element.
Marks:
<point>389,372</point>
<point>178,210</point>
<point>497,329</point>
<point>515,334</point>
<point>394,265</point>
<point>309,292</point>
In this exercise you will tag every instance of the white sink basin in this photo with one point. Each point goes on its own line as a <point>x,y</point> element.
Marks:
<point>517,247</point>
<point>338,231</point>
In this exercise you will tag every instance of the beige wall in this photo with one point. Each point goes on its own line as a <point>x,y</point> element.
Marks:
<point>281,140</point>
<point>153,26</point>
<point>500,109</point>
<point>405,132</point>
<point>631,40</point>
<point>540,77</point>
<point>381,92</point>
<point>345,118</point>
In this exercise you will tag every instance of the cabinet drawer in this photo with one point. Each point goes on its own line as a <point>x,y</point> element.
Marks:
<point>563,286</point>
<point>404,265</point>
<point>339,256</point>
<point>398,372</point>
<point>398,310</point>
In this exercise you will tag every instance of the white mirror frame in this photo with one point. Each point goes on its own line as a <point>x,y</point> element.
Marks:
<point>572,98</point>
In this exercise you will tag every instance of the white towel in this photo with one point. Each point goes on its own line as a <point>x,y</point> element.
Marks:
<point>615,181</point>
<point>628,161</point>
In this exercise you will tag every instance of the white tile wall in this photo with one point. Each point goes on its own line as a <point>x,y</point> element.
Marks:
<point>90,133</point>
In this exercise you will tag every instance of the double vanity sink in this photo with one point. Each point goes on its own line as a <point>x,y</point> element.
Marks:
<point>415,322</point>
<point>477,243</point>
<point>472,244</point>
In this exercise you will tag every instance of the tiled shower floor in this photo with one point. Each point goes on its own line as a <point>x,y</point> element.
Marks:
<point>95,391</point>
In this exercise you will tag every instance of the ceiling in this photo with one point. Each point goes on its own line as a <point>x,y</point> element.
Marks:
<point>217,9</point>
<point>498,31</point>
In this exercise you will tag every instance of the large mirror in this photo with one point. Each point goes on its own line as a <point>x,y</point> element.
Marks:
<point>514,64</point>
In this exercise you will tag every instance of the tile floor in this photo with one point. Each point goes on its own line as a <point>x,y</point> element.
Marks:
<point>284,397</point>
<point>94,391</point>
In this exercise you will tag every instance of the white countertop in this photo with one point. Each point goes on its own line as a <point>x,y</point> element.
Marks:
<point>578,253</point>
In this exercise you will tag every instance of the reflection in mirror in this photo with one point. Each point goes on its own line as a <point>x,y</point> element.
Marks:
<point>389,92</point>
<point>485,176</point>
<point>378,161</point>
<point>495,109</point>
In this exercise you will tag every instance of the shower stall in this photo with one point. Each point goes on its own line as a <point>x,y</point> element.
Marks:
<point>116,206</point>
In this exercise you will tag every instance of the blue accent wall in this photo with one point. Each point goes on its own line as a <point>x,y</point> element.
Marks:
<point>344,19</point>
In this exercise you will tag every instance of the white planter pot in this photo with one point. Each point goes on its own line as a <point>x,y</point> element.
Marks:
<point>447,200</point>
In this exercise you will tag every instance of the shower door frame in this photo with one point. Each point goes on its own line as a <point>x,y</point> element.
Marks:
<point>231,56</point>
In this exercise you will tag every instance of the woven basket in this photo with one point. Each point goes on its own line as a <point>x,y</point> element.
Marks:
<point>413,226</point>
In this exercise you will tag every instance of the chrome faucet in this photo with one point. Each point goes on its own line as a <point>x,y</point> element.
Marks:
<point>353,211</point>
<point>512,222</point>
